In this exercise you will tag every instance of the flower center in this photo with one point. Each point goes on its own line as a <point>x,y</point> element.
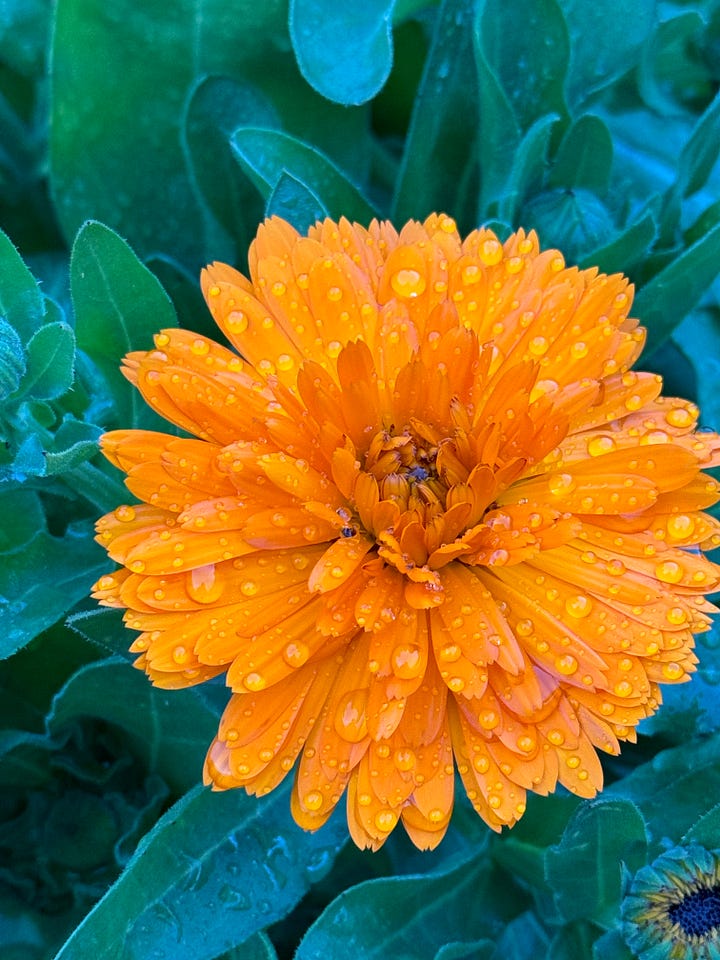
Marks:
<point>698,913</point>
<point>405,466</point>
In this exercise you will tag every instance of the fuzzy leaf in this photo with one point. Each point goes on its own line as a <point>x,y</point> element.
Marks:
<point>50,362</point>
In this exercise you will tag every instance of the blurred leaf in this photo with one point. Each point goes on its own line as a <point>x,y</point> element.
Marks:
<point>258,947</point>
<point>663,58</point>
<point>50,362</point>
<point>439,168</point>
<point>216,869</point>
<point>295,202</point>
<point>101,626</point>
<point>216,108</point>
<point>626,249</point>
<point>584,868</point>
<point>41,582</point>
<point>24,759</point>
<point>21,302</point>
<point>475,950</point>
<point>118,304</point>
<point>523,938</point>
<point>528,54</point>
<point>584,157</point>
<point>572,942</point>
<point>23,516</point>
<point>345,53</point>
<point>266,154</point>
<point>605,42</point>
<point>12,360</point>
<point>705,830</point>
<point>675,788</point>
<point>611,946</point>
<point>671,294</point>
<point>171,730</point>
<point>528,167</point>
<point>412,916</point>
<point>700,153</point>
<point>118,149</point>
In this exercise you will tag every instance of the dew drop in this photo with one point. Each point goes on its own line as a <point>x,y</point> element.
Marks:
<point>567,665</point>
<point>561,484</point>
<point>385,820</point>
<point>538,346</point>
<point>623,689</point>
<point>202,585</point>
<point>350,720</point>
<point>278,288</point>
<point>125,514</point>
<point>672,671</point>
<point>407,283</point>
<point>598,445</point>
<point>249,588</point>
<point>407,661</point>
<point>285,362</point>
<point>488,719</point>
<point>295,654</point>
<point>312,800</point>
<point>669,571</point>
<point>404,759</point>
<point>680,527</point>
<point>578,606</point>
<point>677,616</point>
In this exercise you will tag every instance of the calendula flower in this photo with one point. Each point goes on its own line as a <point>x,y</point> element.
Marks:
<point>427,518</point>
<point>672,910</point>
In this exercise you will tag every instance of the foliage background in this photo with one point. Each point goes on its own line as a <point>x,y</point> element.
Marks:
<point>140,140</point>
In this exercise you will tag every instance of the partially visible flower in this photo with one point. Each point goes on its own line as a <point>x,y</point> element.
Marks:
<point>431,519</point>
<point>672,910</point>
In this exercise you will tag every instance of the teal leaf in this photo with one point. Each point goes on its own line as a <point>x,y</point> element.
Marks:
<point>215,870</point>
<point>528,54</point>
<point>21,302</point>
<point>12,360</point>
<point>584,157</point>
<point>605,42</point>
<point>524,938</point>
<point>627,249</point>
<point>170,730</point>
<point>672,293</point>
<point>611,946</point>
<point>575,221</point>
<point>29,461</point>
<point>345,53</point>
<point>295,202</point>
<point>700,154</point>
<point>118,304</point>
<point>411,916</point>
<point>74,442</point>
<point>584,868</point>
<point>41,582</point>
<point>439,168</point>
<point>50,362</point>
<point>266,154</point>
<point>528,167</point>
<point>705,830</point>
<point>23,516</point>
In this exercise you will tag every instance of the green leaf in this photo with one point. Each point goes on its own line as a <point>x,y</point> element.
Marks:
<point>675,788</point>
<point>584,157</point>
<point>23,516</point>
<point>74,442</point>
<point>528,54</point>
<point>528,167</point>
<point>571,942</point>
<point>700,153</point>
<point>705,830</point>
<point>215,870</point>
<point>266,154</point>
<point>627,249</point>
<point>118,150</point>
<point>411,916</point>
<point>671,294</point>
<point>41,582</point>
<point>575,221</point>
<point>21,302</point>
<point>294,202</point>
<point>524,938</point>
<point>345,53</point>
<point>605,42</point>
<point>118,304</point>
<point>12,360</point>
<point>216,108</point>
<point>50,362</point>
<point>170,730</point>
<point>611,946</point>
<point>584,868</point>
<point>476,950</point>
<point>439,168</point>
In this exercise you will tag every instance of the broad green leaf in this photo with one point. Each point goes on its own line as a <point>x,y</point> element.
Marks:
<point>215,870</point>
<point>266,154</point>
<point>584,868</point>
<point>572,942</point>
<point>118,304</point>
<point>41,582</point>
<point>170,730</point>
<point>528,54</point>
<point>21,302</point>
<point>439,168</point>
<point>74,442</point>
<point>705,830</point>
<point>476,950</point>
<point>23,516</point>
<point>411,916</point>
<point>29,461</point>
<point>573,220</point>
<point>24,759</point>
<point>584,157</point>
<point>118,151</point>
<point>700,153</point>
<point>50,362</point>
<point>528,167</point>
<point>294,202</point>
<point>611,946</point>
<point>216,108</point>
<point>345,53</point>
<point>671,294</point>
<point>675,788</point>
<point>12,360</point>
<point>605,42</point>
<point>524,938</point>
<point>625,250</point>
<point>102,626</point>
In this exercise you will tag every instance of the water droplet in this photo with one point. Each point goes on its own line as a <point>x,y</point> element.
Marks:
<point>561,484</point>
<point>408,283</point>
<point>237,322</point>
<point>556,737</point>
<point>202,585</point>
<point>538,346</point>
<point>404,759</point>
<point>578,606</point>
<point>488,719</point>
<point>491,252</point>
<point>567,665</point>
<point>125,514</point>
<point>672,671</point>
<point>296,654</point>
<point>596,446</point>
<point>385,820</point>
<point>680,527</point>
<point>623,689</point>
<point>249,588</point>
<point>285,362</point>
<point>278,288</point>
<point>450,653</point>
<point>200,347</point>
<point>669,571</point>
<point>254,682</point>
<point>350,720</point>
<point>312,800</point>
<point>407,661</point>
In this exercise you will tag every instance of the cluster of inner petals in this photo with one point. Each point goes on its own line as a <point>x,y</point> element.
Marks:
<point>426,519</point>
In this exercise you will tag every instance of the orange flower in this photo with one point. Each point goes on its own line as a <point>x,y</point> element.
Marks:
<point>430,520</point>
